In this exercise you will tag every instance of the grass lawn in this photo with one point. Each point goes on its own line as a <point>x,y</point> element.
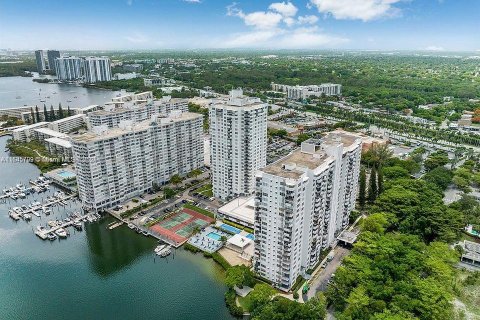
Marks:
<point>245,302</point>
<point>199,210</point>
<point>206,190</point>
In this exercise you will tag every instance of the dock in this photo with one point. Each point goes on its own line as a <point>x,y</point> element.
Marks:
<point>44,234</point>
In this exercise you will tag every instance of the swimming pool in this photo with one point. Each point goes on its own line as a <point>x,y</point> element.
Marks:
<point>214,236</point>
<point>66,174</point>
<point>250,236</point>
<point>229,228</point>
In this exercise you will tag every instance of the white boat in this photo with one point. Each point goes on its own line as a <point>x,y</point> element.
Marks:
<point>36,213</point>
<point>22,195</point>
<point>13,215</point>
<point>40,228</point>
<point>41,235</point>
<point>160,248</point>
<point>51,236</point>
<point>131,226</point>
<point>62,233</point>
<point>47,211</point>
<point>14,196</point>
<point>17,210</point>
<point>52,223</point>
<point>27,217</point>
<point>78,226</point>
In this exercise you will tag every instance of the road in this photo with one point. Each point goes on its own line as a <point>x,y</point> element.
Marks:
<point>320,282</point>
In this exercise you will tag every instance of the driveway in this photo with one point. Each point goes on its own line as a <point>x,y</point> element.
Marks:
<point>320,281</point>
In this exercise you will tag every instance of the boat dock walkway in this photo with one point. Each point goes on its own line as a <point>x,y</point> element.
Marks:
<point>43,234</point>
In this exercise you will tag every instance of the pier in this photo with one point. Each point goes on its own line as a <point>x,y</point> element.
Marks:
<point>44,234</point>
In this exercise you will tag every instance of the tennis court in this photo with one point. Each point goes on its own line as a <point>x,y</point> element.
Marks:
<point>180,226</point>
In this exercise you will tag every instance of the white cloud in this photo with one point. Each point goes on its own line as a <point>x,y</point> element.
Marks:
<point>434,48</point>
<point>278,27</point>
<point>257,19</point>
<point>192,1</point>
<point>365,10</point>
<point>286,9</point>
<point>311,19</point>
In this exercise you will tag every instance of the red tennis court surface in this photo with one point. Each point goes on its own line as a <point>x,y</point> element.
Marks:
<point>179,227</point>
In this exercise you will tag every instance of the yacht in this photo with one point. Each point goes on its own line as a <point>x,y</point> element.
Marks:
<point>47,211</point>
<point>24,208</point>
<point>13,215</point>
<point>78,226</point>
<point>52,223</point>
<point>27,217</point>
<point>131,226</point>
<point>62,233</point>
<point>51,236</point>
<point>40,228</point>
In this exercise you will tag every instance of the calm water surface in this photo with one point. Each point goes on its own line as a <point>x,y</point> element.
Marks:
<point>21,91</point>
<point>96,273</point>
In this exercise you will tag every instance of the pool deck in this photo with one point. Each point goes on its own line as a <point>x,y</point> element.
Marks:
<point>203,242</point>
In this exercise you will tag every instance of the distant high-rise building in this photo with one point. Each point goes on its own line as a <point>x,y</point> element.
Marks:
<point>51,56</point>
<point>46,60</point>
<point>68,68</point>
<point>238,147</point>
<point>97,69</point>
<point>40,59</point>
<point>302,202</point>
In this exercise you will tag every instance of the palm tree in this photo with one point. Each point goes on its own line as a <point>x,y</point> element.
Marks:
<point>380,154</point>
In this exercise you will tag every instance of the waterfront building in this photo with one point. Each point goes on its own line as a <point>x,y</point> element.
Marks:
<point>69,68</point>
<point>59,147</point>
<point>302,202</point>
<point>69,124</point>
<point>51,56</point>
<point>40,60</point>
<point>116,164</point>
<point>160,81</point>
<point>41,134</point>
<point>303,92</point>
<point>138,107</point>
<point>26,133</point>
<point>238,144</point>
<point>97,69</point>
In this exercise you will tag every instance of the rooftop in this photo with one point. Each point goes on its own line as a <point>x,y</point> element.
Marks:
<point>289,166</point>
<point>50,132</point>
<point>59,141</point>
<point>239,241</point>
<point>240,208</point>
<point>102,133</point>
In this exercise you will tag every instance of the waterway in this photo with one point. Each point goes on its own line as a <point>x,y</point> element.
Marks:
<point>22,91</point>
<point>96,273</point>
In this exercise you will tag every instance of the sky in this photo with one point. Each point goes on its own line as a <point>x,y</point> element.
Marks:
<point>436,25</point>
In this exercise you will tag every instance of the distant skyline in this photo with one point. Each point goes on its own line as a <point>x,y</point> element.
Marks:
<point>436,25</point>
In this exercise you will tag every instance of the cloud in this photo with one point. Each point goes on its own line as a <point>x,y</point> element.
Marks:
<point>193,1</point>
<point>257,19</point>
<point>365,10</point>
<point>307,19</point>
<point>434,48</point>
<point>286,9</point>
<point>279,27</point>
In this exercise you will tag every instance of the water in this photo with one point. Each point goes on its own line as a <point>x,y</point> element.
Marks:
<point>30,93</point>
<point>97,273</point>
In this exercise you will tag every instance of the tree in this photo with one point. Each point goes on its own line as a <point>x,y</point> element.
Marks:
<point>176,179</point>
<point>394,273</point>
<point>362,188</point>
<point>45,113</point>
<point>239,276</point>
<point>380,181</point>
<point>37,115</point>
<point>168,193</point>
<point>376,222</point>
<point>372,189</point>
<point>69,112</point>
<point>194,173</point>
<point>302,137</point>
<point>436,159</point>
<point>32,115</point>
<point>395,172</point>
<point>52,114</point>
<point>440,176</point>
<point>262,294</point>
<point>60,111</point>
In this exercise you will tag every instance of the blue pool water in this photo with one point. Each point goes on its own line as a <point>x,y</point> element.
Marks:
<point>250,236</point>
<point>214,236</point>
<point>66,174</point>
<point>229,228</point>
